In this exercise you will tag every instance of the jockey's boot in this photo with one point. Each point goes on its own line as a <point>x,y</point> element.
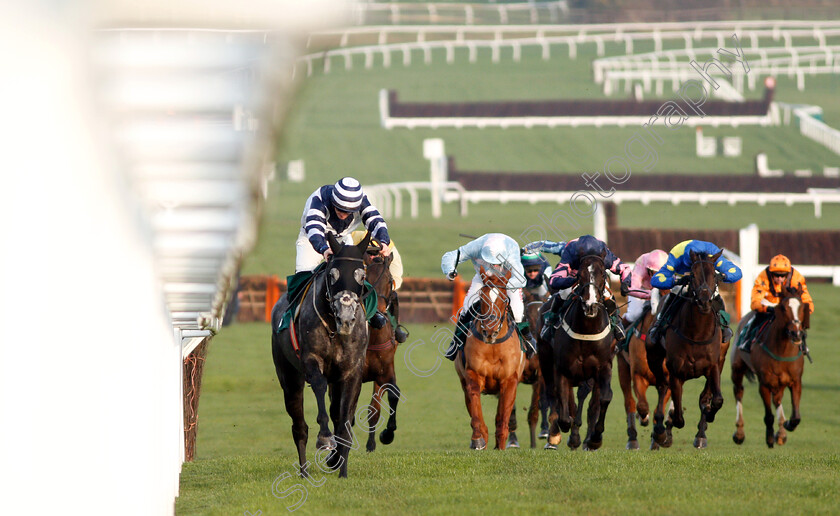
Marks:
<point>615,320</point>
<point>653,333</point>
<point>465,319</point>
<point>378,321</point>
<point>550,318</point>
<point>723,316</point>
<point>400,331</point>
<point>530,344</point>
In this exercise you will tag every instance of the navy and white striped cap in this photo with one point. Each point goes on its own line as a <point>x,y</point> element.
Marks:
<point>347,194</point>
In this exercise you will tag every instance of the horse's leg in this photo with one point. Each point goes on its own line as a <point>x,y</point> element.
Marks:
<point>373,416</point>
<point>624,380</point>
<point>781,434</point>
<point>293,397</point>
<point>473,385</point>
<point>564,416</point>
<point>534,411</point>
<point>676,396</point>
<point>583,391</point>
<point>512,441</point>
<point>716,401</point>
<point>347,397</point>
<point>795,396</point>
<point>316,379</point>
<point>507,401</point>
<point>702,425</point>
<point>604,394</point>
<point>394,393</point>
<point>738,370</point>
<point>769,419</point>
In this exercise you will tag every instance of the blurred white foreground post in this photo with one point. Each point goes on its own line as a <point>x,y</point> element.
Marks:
<point>128,198</point>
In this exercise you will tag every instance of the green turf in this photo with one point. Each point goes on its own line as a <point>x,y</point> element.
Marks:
<point>244,444</point>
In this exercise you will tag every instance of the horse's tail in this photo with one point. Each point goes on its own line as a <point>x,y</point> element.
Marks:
<point>750,375</point>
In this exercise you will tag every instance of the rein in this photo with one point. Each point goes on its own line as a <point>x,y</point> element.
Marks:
<point>781,359</point>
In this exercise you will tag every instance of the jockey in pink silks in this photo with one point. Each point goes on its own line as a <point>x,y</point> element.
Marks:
<point>646,266</point>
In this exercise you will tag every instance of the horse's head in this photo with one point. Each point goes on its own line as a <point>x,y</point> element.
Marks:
<point>379,272</point>
<point>703,280</point>
<point>345,276</point>
<point>494,301</point>
<point>793,313</point>
<point>592,278</point>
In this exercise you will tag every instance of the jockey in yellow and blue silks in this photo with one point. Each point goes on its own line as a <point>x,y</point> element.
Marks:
<point>679,264</point>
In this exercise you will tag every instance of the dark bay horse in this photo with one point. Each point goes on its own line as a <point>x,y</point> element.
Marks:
<point>778,362</point>
<point>379,359</point>
<point>531,375</point>
<point>580,354</point>
<point>635,376</point>
<point>333,335</point>
<point>693,349</point>
<point>491,361</point>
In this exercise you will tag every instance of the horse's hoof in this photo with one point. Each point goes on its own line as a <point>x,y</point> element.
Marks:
<point>770,443</point>
<point>512,442</point>
<point>386,436</point>
<point>592,445</point>
<point>633,445</point>
<point>371,446</point>
<point>738,439</point>
<point>333,460</point>
<point>478,444</point>
<point>549,446</point>
<point>573,443</point>
<point>658,436</point>
<point>325,442</point>
<point>700,443</point>
<point>781,439</point>
<point>644,421</point>
<point>554,440</point>
<point>653,444</point>
<point>543,434</point>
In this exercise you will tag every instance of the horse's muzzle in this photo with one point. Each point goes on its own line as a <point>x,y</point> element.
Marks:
<point>345,306</point>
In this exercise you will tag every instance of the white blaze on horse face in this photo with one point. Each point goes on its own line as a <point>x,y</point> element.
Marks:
<point>494,294</point>
<point>794,307</point>
<point>593,295</point>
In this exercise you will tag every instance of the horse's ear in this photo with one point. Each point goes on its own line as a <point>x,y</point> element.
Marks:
<point>482,273</point>
<point>335,245</point>
<point>363,245</point>
<point>806,316</point>
<point>787,281</point>
<point>692,255</point>
<point>389,259</point>
<point>717,255</point>
<point>603,254</point>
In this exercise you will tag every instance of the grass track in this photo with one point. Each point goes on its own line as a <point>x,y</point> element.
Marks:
<point>244,444</point>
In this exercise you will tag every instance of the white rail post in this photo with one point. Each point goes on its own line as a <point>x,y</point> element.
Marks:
<point>748,242</point>
<point>433,150</point>
<point>600,222</point>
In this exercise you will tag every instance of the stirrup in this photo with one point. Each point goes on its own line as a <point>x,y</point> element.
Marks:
<point>452,352</point>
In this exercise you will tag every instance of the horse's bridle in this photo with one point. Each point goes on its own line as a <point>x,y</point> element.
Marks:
<point>328,293</point>
<point>492,317</point>
<point>704,286</point>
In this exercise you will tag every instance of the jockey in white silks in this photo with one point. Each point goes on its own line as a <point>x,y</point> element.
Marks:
<point>496,253</point>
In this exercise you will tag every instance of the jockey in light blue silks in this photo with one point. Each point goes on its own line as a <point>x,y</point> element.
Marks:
<point>496,253</point>
<point>537,268</point>
<point>678,264</point>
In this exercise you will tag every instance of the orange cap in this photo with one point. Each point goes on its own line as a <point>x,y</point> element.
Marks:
<point>780,263</point>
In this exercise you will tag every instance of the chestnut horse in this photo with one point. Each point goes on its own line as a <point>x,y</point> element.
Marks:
<point>580,354</point>
<point>379,359</point>
<point>635,376</point>
<point>491,361</point>
<point>778,362</point>
<point>693,348</point>
<point>531,375</point>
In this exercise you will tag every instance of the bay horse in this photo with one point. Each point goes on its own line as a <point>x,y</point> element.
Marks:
<point>379,359</point>
<point>635,376</point>
<point>778,363</point>
<point>333,335</point>
<point>580,354</point>
<point>693,349</point>
<point>491,361</point>
<point>531,375</point>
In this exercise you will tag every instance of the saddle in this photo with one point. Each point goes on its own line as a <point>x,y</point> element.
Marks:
<point>634,331</point>
<point>752,333</point>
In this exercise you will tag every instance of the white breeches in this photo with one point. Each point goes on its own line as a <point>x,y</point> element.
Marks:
<point>634,309</point>
<point>307,258</point>
<point>515,295</point>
